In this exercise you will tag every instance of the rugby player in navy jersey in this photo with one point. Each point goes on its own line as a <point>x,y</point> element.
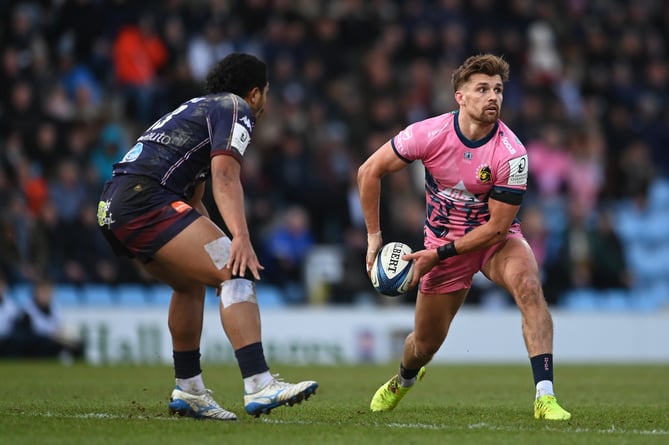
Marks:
<point>152,211</point>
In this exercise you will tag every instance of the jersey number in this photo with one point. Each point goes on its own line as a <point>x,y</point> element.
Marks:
<point>165,119</point>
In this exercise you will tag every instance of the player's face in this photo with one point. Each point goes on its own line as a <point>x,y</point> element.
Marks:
<point>481,98</point>
<point>257,101</point>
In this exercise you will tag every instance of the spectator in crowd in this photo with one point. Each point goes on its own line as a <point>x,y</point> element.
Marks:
<point>45,334</point>
<point>286,247</point>
<point>590,255</point>
<point>139,54</point>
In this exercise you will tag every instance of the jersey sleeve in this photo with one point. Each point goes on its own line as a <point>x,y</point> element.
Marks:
<point>406,144</point>
<point>421,139</point>
<point>230,128</point>
<point>512,173</point>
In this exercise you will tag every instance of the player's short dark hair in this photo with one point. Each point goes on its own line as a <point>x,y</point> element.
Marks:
<point>480,64</point>
<point>237,73</point>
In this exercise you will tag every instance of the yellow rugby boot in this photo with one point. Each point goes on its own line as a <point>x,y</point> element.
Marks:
<point>389,395</point>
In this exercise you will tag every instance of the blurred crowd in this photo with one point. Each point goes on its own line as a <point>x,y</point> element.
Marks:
<point>82,78</point>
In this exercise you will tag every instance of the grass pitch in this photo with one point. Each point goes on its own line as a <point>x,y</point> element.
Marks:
<point>46,403</point>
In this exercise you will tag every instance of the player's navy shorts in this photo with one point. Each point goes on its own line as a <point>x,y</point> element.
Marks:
<point>138,216</point>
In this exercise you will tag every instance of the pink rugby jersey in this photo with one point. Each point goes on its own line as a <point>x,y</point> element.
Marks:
<point>460,174</point>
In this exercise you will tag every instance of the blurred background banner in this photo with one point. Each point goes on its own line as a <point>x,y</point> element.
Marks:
<point>329,336</point>
<point>588,96</point>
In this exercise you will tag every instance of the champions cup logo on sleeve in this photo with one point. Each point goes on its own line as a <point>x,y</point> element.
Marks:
<point>241,136</point>
<point>518,171</point>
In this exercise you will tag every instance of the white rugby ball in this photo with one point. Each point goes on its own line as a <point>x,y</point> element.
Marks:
<point>390,274</point>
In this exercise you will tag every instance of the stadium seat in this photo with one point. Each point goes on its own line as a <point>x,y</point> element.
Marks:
<point>159,295</point>
<point>580,300</point>
<point>269,296</point>
<point>131,295</point>
<point>97,295</point>
<point>210,298</point>
<point>615,300</point>
<point>66,295</point>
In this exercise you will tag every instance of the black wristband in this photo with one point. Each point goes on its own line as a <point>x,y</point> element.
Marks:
<point>446,251</point>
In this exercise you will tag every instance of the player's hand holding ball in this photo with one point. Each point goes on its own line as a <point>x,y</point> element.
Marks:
<point>391,272</point>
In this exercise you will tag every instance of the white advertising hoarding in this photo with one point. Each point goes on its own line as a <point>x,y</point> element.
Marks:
<point>325,335</point>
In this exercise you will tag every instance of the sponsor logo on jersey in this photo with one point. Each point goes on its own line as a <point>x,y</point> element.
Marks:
<point>104,215</point>
<point>433,133</point>
<point>156,136</point>
<point>518,171</point>
<point>468,155</point>
<point>180,206</point>
<point>458,193</point>
<point>506,143</point>
<point>133,153</point>
<point>483,174</point>
<point>406,134</point>
<point>247,122</point>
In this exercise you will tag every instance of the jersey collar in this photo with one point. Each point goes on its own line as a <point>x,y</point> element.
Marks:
<point>468,142</point>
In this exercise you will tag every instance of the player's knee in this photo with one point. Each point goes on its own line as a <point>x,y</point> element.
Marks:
<point>238,290</point>
<point>528,289</point>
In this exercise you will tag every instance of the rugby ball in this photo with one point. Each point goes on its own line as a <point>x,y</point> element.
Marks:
<point>390,274</point>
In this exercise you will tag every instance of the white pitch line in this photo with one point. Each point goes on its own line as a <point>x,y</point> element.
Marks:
<point>422,426</point>
<point>485,426</point>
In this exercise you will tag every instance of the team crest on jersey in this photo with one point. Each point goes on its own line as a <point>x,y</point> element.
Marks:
<point>483,174</point>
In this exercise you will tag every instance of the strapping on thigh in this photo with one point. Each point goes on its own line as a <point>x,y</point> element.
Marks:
<point>219,251</point>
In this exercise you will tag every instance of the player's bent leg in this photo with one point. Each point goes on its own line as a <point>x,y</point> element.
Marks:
<point>434,314</point>
<point>198,254</point>
<point>514,267</point>
<point>239,312</point>
<point>186,308</point>
<point>240,318</point>
<point>181,264</point>
<point>391,393</point>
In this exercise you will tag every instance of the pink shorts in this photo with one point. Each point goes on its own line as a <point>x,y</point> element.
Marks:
<point>456,272</point>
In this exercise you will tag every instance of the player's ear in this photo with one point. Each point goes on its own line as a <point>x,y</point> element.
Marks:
<point>459,97</point>
<point>253,96</point>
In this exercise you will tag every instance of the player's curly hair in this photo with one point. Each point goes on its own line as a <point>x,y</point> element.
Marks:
<point>482,63</point>
<point>237,73</point>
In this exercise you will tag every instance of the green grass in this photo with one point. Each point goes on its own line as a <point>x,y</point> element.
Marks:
<point>46,403</point>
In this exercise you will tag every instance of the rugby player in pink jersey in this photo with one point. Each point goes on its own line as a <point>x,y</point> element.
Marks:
<point>476,173</point>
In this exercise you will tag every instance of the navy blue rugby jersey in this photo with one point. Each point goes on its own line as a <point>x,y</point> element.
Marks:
<point>176,150</point>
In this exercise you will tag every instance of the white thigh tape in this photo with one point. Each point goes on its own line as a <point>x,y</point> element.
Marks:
<point>219,251</point>
<point>238,290</point>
